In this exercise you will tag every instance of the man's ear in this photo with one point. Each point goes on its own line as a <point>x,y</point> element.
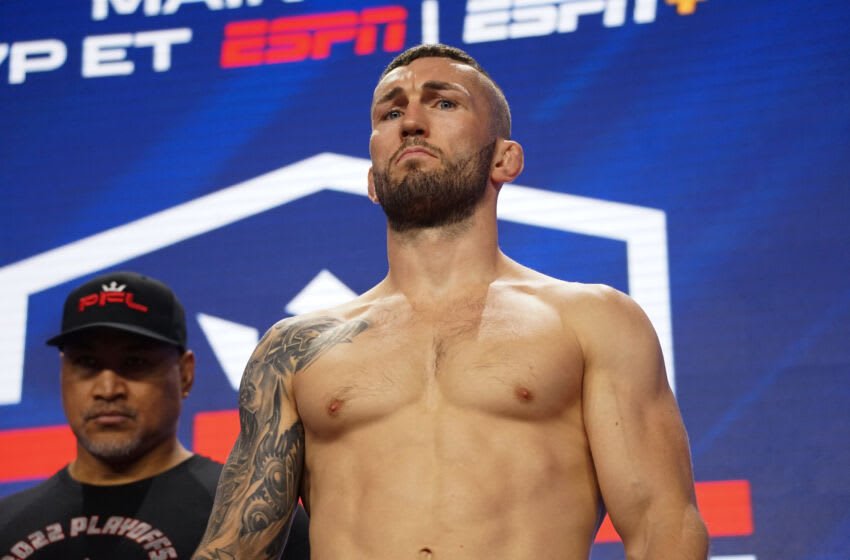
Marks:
<point>508,161</point>
<point>187,372</point>
<point>372,196</point>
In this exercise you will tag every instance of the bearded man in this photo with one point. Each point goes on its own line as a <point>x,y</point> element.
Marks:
<point>466,407</point>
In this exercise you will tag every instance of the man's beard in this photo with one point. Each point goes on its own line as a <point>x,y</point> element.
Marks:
<point>121,445</point>
<point>117,450</point>
<point>430,199</point>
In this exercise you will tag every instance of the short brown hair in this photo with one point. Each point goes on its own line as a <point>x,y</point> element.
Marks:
<point>500,111</point>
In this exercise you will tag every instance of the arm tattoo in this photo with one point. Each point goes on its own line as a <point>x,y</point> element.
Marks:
<point>259,485</point>
<point>298,347</point>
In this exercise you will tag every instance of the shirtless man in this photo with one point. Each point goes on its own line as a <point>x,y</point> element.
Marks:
<point>466,407</point>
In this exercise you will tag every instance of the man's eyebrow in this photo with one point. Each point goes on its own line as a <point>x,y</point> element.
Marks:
<point>437,85</point>
<point>433,85</point>
<point>389,95</point>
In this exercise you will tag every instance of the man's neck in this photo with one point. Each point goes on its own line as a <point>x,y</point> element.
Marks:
<point>89,469</point>
<point>439,264</point>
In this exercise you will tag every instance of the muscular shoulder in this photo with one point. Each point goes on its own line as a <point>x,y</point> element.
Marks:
<point>293,343</point>
<point>614,333</point>
<point>314,324</point>
<point>601,318</point>
<point>596,304</point>
<point>575,299</point>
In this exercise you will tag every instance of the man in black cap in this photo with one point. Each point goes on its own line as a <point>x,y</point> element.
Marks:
<point>133,491</point>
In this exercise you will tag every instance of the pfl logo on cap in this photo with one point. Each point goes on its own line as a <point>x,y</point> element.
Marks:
<point>111,293</point>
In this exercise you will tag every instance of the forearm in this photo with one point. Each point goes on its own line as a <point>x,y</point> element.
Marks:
<point>683,537</point>
<point>256,497</point>
<point>229,545</point>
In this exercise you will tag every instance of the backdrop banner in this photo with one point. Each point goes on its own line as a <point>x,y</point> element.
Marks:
<point>693,153</point>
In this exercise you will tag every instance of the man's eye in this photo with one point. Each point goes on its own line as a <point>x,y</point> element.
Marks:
<point>446,104</point>
<point>85,361</point>
<point>391,115</point>
<point>135,362</point>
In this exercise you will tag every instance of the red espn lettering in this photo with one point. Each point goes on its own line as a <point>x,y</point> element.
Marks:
<point>103,298</point>
<point>296,38</point>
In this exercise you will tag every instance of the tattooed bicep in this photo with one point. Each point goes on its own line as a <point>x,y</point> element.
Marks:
<point>300,342</point>
<point>258,488</point>
<point>286,349</point>
<point>293,344</point>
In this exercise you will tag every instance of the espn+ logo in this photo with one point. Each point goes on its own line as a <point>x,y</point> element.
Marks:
<point>297,38</point>
<point>499,20</point>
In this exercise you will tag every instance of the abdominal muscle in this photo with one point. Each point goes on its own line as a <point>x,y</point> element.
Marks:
<point>452,484</point>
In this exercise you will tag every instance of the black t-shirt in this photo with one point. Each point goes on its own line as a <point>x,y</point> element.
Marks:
<point>160,517</point>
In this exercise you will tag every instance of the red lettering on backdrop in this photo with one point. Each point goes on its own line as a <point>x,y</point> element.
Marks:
<point>325,39</point>
<point>296,38</point>
<point>244,43</point>
<point>393,17</point>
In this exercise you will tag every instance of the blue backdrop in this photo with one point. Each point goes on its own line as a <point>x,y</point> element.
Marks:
<point>695,153</point>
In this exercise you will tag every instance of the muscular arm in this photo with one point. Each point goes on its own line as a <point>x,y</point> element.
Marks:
<point>637,438</point>
<point>258,489</point>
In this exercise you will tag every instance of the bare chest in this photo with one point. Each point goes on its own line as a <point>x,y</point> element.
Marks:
<point>512,365</point>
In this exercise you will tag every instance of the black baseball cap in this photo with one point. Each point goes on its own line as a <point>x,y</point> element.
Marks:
<point>126,301</point>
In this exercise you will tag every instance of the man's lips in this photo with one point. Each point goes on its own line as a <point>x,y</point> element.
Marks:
<point>109,417</point>
<point>413,151</point>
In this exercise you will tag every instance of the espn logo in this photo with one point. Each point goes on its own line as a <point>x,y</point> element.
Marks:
<point>297,38</point>
<point>499,20</point>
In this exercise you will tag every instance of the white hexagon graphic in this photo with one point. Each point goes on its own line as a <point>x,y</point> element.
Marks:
<point>642,229</point>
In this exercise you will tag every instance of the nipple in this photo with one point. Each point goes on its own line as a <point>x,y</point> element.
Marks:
<point>523,394</point>
<point>334,406</point>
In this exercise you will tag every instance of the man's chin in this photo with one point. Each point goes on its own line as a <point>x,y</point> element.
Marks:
<point>419,163</point>
<point>403,170</point>
<point>118,448</point>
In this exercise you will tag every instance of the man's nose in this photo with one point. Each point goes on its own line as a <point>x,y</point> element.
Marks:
<point>109,385</point>
<point>414,122</point>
